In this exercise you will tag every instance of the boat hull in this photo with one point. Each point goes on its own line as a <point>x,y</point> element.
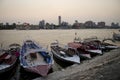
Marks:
<point>84,56</point>
<point>108,47</point>
<point>39,69</point>
<point>62,62</point>
<point>116,37</point>
<point>94,52</point>
<point>9,71</point>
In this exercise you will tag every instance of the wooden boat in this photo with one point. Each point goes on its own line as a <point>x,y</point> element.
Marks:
<point>93,45</point>
<point>85,51</point>
<point>116,36</point>
<point>101,46</point>
<point>90,45</point>
<point>8,62</point>
<point>80,50</point>
<point>63,55</point>
<point>15,49</point>
<point>34,58</point>
<point>108,46</point>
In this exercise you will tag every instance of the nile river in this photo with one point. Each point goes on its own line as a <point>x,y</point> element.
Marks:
<point>47,36</point>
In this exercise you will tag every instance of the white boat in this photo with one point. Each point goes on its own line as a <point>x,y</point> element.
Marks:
<point>108,46</point>
<point>63,55</point>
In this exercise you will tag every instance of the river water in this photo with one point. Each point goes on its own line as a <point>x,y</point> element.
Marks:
<point>45,37</point>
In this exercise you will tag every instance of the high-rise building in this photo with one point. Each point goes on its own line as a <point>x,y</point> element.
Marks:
<point>59,20</point>
<point>42,24</point>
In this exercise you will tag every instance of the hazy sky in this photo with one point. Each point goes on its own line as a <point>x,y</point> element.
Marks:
<point>32,11</point>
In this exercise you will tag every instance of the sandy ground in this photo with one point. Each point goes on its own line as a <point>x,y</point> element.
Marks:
<point>104,67</point>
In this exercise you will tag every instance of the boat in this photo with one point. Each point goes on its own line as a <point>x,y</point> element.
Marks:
<point>15,49</point>
<point>116,36</point>
<point>8,62</point>
<point>100,45</point>
<point>83,54</point>
<point>90,45</point>
<point>63,55</point>
<point>107,46</point>
<point>85,50</point>
<point>35,58</point>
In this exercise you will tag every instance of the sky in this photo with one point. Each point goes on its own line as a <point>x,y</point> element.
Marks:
<point>32,11</point>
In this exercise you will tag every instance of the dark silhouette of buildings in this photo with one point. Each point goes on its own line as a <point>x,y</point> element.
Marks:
<point>115,25</point>
<point>90,24</point>
<point>101,25</point>
<point>61,25</point>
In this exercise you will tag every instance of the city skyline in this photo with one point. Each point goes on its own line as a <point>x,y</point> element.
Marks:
<point>32,11</point>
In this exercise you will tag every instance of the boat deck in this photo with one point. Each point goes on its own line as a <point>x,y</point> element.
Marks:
<point>58,50</point>
<point>39,60</point>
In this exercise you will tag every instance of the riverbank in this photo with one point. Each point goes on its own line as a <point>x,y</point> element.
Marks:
<point>104,67</point>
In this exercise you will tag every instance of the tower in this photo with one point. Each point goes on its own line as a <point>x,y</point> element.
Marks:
<point>59,20</point>
<point>42,24</point>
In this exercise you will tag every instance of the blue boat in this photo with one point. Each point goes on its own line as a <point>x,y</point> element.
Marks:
<point>34,58</point>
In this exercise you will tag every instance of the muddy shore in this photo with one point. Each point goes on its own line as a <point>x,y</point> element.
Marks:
<point>104,67</point>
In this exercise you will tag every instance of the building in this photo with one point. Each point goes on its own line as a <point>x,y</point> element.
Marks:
<point>115,25</point>
<point>42,24</point>
<point>90,24</point>
<point>64,25</point>
<point>101,24</point>
<point>77,25</point>
<point>59,20</point>
<point>24,26</point>
<point>27,26</point>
